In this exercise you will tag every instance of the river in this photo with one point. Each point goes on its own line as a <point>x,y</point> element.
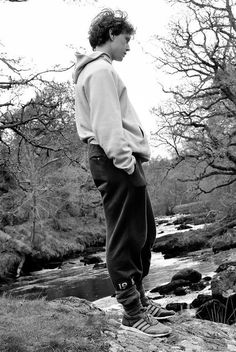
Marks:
<point>75,279</point>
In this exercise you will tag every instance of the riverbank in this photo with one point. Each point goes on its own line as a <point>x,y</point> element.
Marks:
<point>54,246</point>
<point>76,325</point>
<point>175,237</point>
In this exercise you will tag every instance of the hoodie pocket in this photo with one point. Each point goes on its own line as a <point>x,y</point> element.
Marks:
<point>97,162</point>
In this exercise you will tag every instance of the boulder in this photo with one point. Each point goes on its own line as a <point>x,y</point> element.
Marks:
<point>200,300</point>
<point>221,310</point>
<point>177,243</point>
<point>188,275</point>
<point>12,254</point>
<point>170,287</point>
<point>224,282</point>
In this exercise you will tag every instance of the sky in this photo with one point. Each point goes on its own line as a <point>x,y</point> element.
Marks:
<point>48,32</point>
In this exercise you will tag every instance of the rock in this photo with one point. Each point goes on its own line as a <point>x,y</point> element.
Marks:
<point>188,334</point>
<point>225,241</point>
<point>180,291</point>
<point>183,219</point>
<point>176,244</point>
<point>220,311</point>
<point>90,259</point>
<point>188,275</point>
<point>224,282</point>
<point>184,227</point>
<point>99,266</point>
<point>168,224</point>
<point>84,327</point>
<point>208,278</point>
<point>161,221</point>
<point>224,266</point>
<point>176,306</point>
<point>170,287</point>
<point>13,253</point>
<point>198,286</point>
<point>200,300</point>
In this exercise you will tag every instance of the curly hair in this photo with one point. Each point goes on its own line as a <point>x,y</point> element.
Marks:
<point>107,20</point>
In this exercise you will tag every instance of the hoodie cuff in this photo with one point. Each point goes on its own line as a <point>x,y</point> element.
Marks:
<point>130,171</point>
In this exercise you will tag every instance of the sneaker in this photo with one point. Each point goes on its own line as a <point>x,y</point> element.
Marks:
<point>157,311</point>
<point>146,325</point>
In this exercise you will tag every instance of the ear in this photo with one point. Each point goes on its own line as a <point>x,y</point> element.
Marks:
<point>110,34</point>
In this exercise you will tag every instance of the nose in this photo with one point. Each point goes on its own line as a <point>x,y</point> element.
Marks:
<point>127,47</point>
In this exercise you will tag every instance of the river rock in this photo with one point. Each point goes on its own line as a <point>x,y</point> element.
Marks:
<point>222,310</point>
<point>90,259</point>
<point>180,291</point>
<point>224,266</point>
<point>170,287</point>
<point>224,282</point>
<point>13,252</point>
<point>176,244</point>
<point>199,286</point>
<point>99,266</point>
<point>177,307</point>
<point>200,300</point>
<point>188,275</point>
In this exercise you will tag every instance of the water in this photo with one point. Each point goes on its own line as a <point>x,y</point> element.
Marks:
<point>75,279</point>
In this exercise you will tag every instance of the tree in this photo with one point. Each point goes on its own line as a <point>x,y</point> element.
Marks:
<point>198,122</point>
<point>20,88</point>
<point>45,141</point>
<point>166,191</point>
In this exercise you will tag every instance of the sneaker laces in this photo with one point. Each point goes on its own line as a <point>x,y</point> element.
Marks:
<point>149,319</point>
<point>150,301</point>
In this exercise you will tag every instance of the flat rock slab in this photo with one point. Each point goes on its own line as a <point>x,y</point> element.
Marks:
<point>188,334</point>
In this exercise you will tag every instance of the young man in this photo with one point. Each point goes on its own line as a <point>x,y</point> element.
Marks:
<point>118,145</point>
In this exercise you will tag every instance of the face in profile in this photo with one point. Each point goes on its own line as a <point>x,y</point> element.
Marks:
<point>120,46</point>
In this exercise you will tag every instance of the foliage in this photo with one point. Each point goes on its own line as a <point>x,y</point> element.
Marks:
<point>44,140</point>
<point>198,121</point>
<point>165,190</point>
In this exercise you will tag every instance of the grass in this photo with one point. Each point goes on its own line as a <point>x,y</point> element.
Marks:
<point>42,326</point>
<point>219,312</point>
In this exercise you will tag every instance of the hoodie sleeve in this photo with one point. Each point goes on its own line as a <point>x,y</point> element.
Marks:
<point>106,120</point>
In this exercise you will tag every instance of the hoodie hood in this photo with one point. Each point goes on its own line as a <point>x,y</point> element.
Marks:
<point>83,60</point>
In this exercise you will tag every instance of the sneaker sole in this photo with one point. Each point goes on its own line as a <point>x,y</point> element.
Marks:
<point>163,318</point>
<point>130,328</point>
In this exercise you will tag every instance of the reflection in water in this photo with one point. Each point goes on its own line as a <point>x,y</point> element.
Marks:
<point>90,289</point>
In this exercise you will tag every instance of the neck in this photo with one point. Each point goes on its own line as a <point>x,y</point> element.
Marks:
<point>105,49</point>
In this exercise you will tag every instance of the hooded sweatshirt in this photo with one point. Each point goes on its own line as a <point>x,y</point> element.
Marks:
<point>104,114</point>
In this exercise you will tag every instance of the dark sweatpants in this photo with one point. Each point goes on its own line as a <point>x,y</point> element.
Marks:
<point>131,229</point>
